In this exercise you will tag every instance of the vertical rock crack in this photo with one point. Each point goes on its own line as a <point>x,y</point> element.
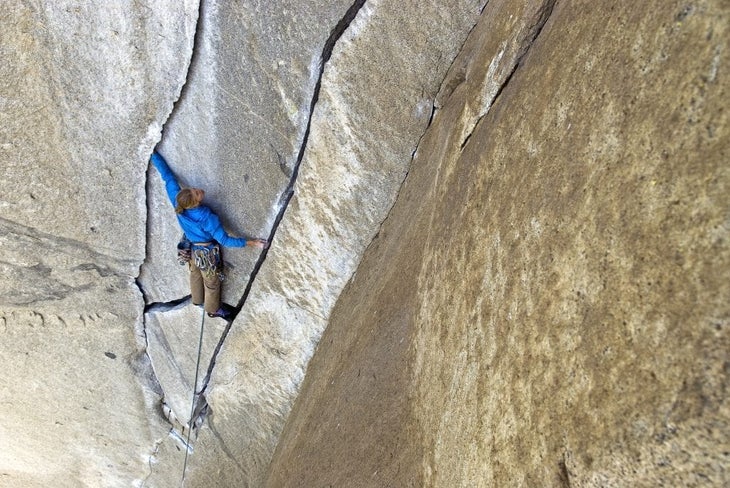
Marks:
<point>160,307</point>
<point>329,45</point>
<point>535,30</point>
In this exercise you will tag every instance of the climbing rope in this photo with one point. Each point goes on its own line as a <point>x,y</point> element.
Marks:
<point>191,422</point>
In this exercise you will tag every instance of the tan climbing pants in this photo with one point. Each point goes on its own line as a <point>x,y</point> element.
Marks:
<point>205,289</point>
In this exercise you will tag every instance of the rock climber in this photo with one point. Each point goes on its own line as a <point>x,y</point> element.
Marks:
<point>203,236</point>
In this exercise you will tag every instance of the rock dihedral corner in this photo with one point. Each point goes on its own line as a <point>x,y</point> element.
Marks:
<point>523,267</point>
<point>239,160</point>
<point>351,170</point>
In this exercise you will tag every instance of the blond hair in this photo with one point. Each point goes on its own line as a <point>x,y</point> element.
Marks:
<point>186,199</point>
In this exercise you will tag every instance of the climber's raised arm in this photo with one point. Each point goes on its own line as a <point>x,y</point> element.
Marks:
<point>171,185</point>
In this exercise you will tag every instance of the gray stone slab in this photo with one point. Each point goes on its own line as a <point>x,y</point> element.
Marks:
<point>376,101</point>
<point>80,405</point>
<point>84,91</point>
<point>237,130</point>
<point>173,339</point>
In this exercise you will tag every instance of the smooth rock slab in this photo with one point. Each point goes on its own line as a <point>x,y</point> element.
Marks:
<point>376,100</point>
<point>80,402</point>
<point>238,128</point>
<point>84,89</point>
<point>173,339</point>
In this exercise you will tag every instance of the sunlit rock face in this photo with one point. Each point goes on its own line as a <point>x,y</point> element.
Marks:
<point>238,129</point>
<point>508,219</point>
<point>102,343</point>
<point>237,132</point>
<point>375,101</point>
<point>546,303</point>
<point>85,88</point>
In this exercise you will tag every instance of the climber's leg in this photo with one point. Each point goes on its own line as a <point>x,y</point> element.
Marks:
<point>196,285</point>
<point>212,292</point>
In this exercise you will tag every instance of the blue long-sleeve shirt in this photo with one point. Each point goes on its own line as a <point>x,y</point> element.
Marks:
<point>200,224</point>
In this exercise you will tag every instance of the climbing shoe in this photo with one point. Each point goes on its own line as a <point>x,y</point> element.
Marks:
<point>225,312</point>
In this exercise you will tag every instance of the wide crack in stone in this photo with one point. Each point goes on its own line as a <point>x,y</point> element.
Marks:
<point>165,411</point>
<point>167,306</point>
<point>288,193</point>
<point>179,429</point>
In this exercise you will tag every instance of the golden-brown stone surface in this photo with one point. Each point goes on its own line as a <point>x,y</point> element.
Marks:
<point>547,302</point>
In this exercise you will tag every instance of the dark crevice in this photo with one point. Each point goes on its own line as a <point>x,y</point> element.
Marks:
<point>466,139</point>
<point>481,11</point>
<point>432,116</point>
<point>536,29</point>
<point>181,302</point>
<point>430,120</point>
<point>335,35</point>
<point>194,56</point>
<point>288,193</point>
<point>167,306</point>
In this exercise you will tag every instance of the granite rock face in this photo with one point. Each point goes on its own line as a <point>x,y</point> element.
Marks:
<point>85,88</point>
<point>361,143</point>
<point>173,340</point>
<point>238,128</point>
<point>508,219</point>
<point>546,304</point>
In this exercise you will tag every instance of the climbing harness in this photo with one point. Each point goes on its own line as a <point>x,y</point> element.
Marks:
<point>191,422</point>
<point>207,258</point>
<point>184,250</point>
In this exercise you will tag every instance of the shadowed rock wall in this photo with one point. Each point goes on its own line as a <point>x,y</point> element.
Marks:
<point>546,304</point>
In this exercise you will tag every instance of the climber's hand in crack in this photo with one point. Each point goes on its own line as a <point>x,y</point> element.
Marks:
<point>259,243</point>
